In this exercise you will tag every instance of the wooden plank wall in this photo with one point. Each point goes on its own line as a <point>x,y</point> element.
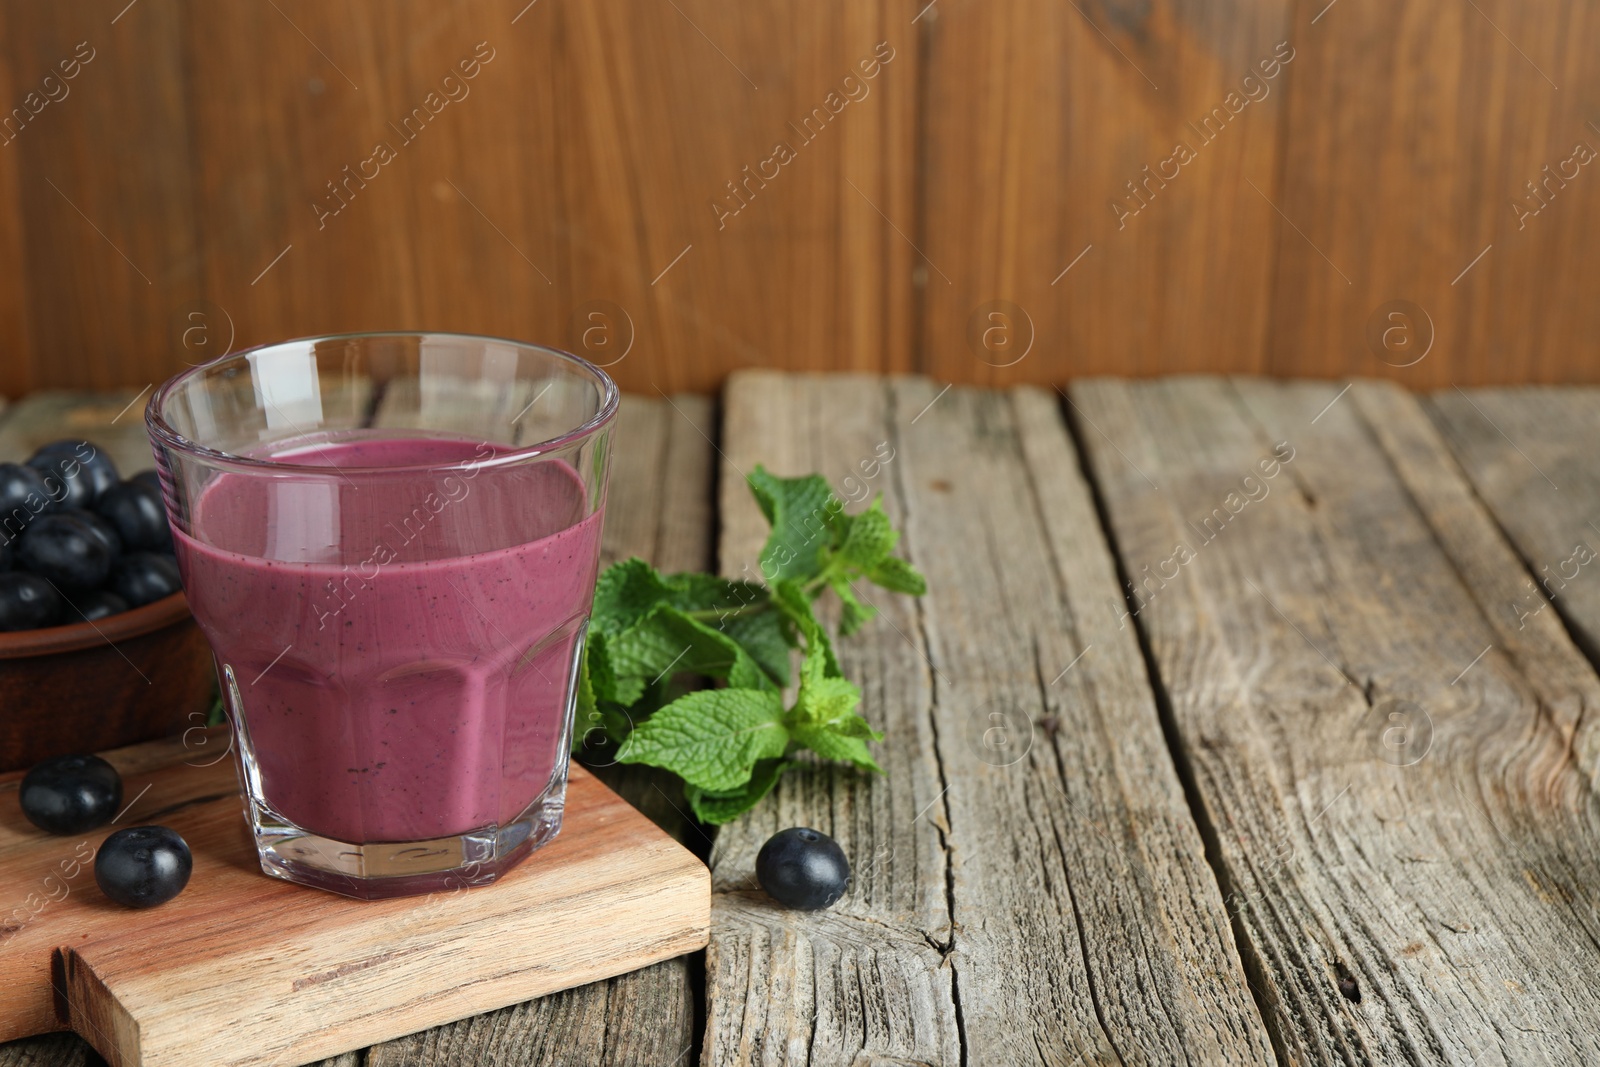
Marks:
<point>1346,195</point>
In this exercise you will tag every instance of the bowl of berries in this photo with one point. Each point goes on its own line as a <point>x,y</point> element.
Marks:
<point>97,646</point>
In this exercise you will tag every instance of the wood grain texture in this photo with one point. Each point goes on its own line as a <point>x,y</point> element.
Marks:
<point>1409,143</point>
<point>1042,119</point>
<point>1028,886</point>
<point>1530,453</point>
<point>113,421</point>
<point>16,367</point>
<point>552,198</point>
<point>70,1050</point>
<point>104,194</point>
<point>565,178</point>
<point>1395,781</point>
<point>333,971</point>
<point>661,456</point>
<point>474,407</point>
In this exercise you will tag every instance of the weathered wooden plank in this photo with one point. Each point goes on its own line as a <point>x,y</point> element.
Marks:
<point>109,265</point>
<point>1182,121</point>
<point>16,369</point>
<point>49,1050</point>
<point>1395,780</point>
<point>113,421</point>
<point>661,462</point>
<point>1530,453</point>
<point>552,230</point>
<point>1401,169</point>
<point>869,976</point>
<point>70,1050</point>
<point>1029,886</point>
<point>467,406</point>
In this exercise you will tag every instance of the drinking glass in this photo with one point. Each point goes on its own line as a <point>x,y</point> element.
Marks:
<point>390,541</point>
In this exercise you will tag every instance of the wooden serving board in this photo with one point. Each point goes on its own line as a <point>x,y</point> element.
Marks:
<point>245,969</point>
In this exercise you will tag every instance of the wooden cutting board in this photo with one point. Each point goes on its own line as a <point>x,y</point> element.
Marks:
<point>245,969</point>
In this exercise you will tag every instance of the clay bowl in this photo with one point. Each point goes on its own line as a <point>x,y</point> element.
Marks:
<point>130,677</point>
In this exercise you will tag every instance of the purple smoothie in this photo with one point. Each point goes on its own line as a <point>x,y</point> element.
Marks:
<point>402,652</point>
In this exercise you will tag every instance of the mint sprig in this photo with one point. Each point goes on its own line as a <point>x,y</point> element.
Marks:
<point>651,634</point>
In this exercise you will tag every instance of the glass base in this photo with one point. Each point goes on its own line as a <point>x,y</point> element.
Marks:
<point>380,870</point>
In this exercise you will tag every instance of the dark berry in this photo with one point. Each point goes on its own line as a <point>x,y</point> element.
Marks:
<point>23,497</point>
<point>151,477</point>
<point>67,551</point>
<point>95,605</point>
<point>136,512</point>
<point>143,866</point>
<point>27,601</point>
<point>71,794</point>
<point>144,577</point>
<point>7,555</point>
<point>80,470</point>
<point>801,868</point>
<point>65,444</point>
<point>103,530</point>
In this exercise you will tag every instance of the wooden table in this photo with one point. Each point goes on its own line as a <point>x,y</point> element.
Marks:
<point>1233,729</point>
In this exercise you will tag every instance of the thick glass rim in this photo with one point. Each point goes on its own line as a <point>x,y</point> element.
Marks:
<point>163,431</point>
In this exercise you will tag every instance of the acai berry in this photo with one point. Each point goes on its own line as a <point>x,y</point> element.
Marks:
<point>95,605</point>
<point>71,794</point>
<point>103,530</point>
<point>81,471</point>
<point>67,551</point>
<point>23,498</point>
<point>803,868</point>
<point>27,601</point>
<point>144,577</point>
<point>143,866</point>
<point>135,511</point>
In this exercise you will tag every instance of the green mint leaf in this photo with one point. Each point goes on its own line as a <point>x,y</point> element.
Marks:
<point>742,610</point>
<point>704,593</point>
<point>625,594</point>
<point>618,724</point>
<point>800,511</point>
<point>630,688</point>
<point>824,717</point>
<point>667,641</point>
<point>731,745</point>
<point>897,576</point>
<point>855,614</point>
<point>586,715</point>
<point>767,636</point>
<point>838,747</point>
<point>855,726</point>
<point>607,723</point>
<point>791,599</point>
<point>840,522</point>
<point>597,696</point>
<point>720,808</point>
<point>712,738</point>
<point>599,673</point>
<point>870,539</point>
<point>824,701</point>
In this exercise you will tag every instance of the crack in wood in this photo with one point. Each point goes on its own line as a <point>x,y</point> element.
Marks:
<point>1249,955</point>
<point>1403,567</point>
